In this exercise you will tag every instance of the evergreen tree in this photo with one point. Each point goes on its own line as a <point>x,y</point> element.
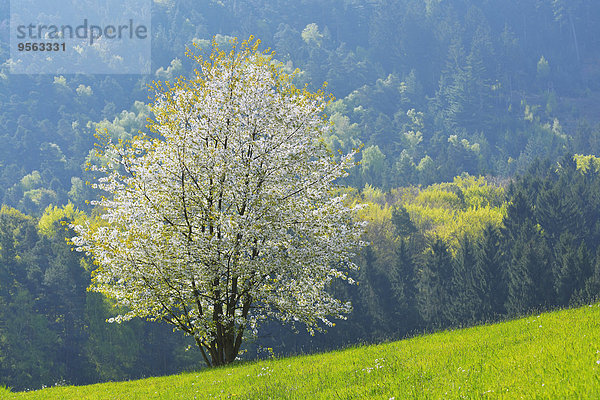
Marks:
<point>404,283</point>
<point>520,283</point>
<point>572,268</point>
<point>402,223</point>
<point>517,213</point>
<point>591,292</point>
<point>490,279</point>
<point>374,294</point>
<point>464,303</point>
<point>556,209</point>
<point>528,271</point>
<point>529,274</point>
<point>434,284</point>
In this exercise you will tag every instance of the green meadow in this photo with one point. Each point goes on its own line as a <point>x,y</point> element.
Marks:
<point>548,356</point>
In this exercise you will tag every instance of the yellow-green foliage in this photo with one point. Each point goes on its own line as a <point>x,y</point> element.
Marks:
<point>435,196</point>
<point>463,193</point>
<point>548,356</point>
<point>586,163</point>
<point>478,193</point>
<point>453,210</point>
<point>373,194</point>
<point>375,213</point>
<point>15,223</point>
<point>53,218</point>
<point>14,214</point>
<point>378,214</point>
<point>452,225</point>
<point>448,210</point>
<point>429,219</point>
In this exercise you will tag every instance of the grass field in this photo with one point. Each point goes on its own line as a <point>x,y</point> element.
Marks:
<point>548,356</point>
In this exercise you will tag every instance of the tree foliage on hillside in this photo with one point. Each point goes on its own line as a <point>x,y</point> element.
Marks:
<point>465,252</point>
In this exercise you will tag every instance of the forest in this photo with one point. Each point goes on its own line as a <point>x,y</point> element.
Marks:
<point>478,127</point>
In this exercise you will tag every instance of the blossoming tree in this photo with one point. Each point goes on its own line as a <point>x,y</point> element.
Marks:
<point>227,213</point>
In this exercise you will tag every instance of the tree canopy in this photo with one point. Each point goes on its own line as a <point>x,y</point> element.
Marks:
<point>226,213</point>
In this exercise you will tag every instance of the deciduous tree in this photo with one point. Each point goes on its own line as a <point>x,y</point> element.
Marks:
<point>227,213</point>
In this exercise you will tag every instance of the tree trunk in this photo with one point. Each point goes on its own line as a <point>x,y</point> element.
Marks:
<point>225,347</point>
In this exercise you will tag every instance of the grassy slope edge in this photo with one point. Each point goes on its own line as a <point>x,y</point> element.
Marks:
<point>552,355</point>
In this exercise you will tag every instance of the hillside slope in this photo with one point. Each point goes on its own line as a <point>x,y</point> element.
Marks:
<point>552,355</point>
